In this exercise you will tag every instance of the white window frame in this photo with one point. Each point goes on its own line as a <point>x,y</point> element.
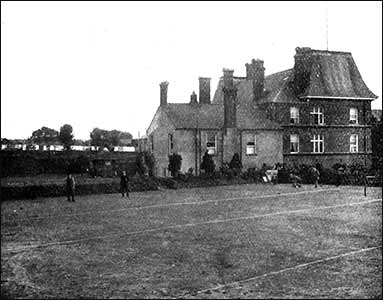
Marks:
<point>317,141</point>
<point>211,150</point>
<point>251,149</point>
<point>353,115</point>
<point>294,115</point>
<point>291,142</point>
<point>354,143</point>
<point>318,115</point>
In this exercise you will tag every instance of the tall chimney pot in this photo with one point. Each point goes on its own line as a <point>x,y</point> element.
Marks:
<point>204,90</point>
<point>255,72</point>
<point>164,93</point>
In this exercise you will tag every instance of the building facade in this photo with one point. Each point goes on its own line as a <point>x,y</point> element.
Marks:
<point>318,111</point>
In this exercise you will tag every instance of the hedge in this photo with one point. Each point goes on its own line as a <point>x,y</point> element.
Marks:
<point>136,184</point>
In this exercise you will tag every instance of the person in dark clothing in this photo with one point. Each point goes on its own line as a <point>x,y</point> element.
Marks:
<point>70,187</point>
<point>340,175</point>
<point>124,184</point>
<point>316,175</point>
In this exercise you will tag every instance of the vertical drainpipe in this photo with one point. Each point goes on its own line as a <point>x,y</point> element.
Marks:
<point>196,151</point>
<point>240,144</point>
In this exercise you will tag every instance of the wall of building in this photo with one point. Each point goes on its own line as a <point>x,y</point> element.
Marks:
<point>336,130</point>
<point>158,134</point>
<point>328,160</point>
<point>269,147</point>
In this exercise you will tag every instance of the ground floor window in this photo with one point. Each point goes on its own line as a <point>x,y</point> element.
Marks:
<point>294,143</point>
<point>318,143</point>
<point>250,144</point>
<point>211,143</point>
<point>353,143</point>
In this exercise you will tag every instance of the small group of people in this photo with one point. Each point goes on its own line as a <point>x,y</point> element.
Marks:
<point>297,180</point>
<point>70,186</point>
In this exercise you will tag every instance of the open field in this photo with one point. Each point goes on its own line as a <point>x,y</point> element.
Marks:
<point>244,241</point>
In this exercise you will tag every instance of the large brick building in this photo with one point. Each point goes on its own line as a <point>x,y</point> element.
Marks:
<point>317,111</point>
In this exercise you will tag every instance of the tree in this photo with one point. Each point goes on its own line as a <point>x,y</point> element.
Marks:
<point>207,163</point>
<point>97,137</point>
<point>175,161</point>
<point>45,135</point>
<point>109,138</point>
<point>66,136</point>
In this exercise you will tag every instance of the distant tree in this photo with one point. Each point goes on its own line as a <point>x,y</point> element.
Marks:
<point>208,163</point>
<point>142,167</point>
<point>109,138</point>
<point>175,161</point>
<point>377,144</point>
<point>66,136</point>
<point>150,162</point>
<point>45,135</point>
<point>97,137</point>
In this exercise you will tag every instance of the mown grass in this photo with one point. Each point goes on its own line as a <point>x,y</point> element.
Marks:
<point>183,260</point>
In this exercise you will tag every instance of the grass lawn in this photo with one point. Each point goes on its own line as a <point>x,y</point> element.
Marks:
<point>186,243</point>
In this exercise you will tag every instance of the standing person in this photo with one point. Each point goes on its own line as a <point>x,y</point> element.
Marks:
<point>70,187</point>
<point>124,184</point>
<point>340,174</point>
<point>316,175</point>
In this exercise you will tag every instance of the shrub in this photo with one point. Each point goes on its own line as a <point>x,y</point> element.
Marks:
<point>208,163</point>
<point>236,164</point>
<point>175,161</point>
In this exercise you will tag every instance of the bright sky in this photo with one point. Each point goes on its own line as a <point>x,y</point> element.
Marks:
<point>99,64</point>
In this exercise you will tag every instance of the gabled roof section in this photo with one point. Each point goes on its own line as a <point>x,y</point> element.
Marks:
<point>185,115</point>
<point>211,116</point>
<point>277,89</point>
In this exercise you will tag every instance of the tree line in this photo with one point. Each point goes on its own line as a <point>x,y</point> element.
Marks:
<point>98,137</point>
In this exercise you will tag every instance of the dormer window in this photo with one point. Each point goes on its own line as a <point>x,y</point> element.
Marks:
<point>294,115</point>
<point>317,116</point>
<point>353,115</point>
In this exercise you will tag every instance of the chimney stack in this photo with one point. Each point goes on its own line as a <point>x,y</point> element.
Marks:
<point>193,98</point>
<point>164,93</point>
<point>204,90</point>
<point>256,73</point>
<point>302,69</point>
<point>230,99</point>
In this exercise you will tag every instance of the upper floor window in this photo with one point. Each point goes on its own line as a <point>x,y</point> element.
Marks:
<point>317,116</point>
<point>294,115</point>
<point>250,144</point>
<point>294,143</point>
<point>354,143</point>
<point>318,143</point>
<point>170,143</point>
<point>353,115</point>
<point>211,143</point>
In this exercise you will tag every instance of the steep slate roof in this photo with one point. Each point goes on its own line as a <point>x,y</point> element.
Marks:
<point>318,74</point>
<point>334,74</point>
<point>327,74</point>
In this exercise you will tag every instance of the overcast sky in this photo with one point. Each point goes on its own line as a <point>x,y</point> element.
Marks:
<point>99,64</point>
